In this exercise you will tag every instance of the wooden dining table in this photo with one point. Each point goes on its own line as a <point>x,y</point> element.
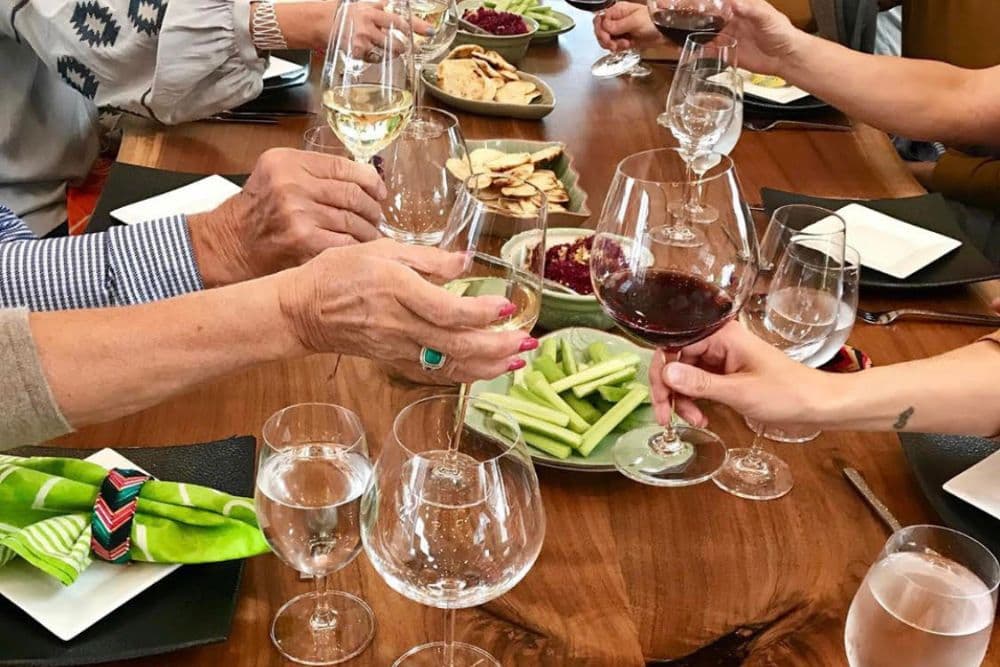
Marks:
<point>629,574</point>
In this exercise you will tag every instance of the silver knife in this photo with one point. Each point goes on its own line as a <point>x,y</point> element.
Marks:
<point>859,483</point>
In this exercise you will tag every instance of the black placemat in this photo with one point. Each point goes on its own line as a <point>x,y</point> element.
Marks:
<point>960,267</point>
<point>190,607</point>
<point>805,106</point>
<point>128,184</point>
<point>934,459</point>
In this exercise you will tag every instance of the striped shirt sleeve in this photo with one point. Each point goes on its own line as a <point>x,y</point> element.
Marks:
<point>123,266</point>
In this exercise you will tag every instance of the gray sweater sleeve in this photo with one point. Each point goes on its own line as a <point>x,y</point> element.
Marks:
<point>28,411</point>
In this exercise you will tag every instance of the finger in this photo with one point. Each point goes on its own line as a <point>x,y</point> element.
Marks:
<point>422,27</point>
<point>346,196</point>
<point>431,262</point>
<point>336,168</point>
<point>621,45</point>
<point>697,383</point>
<point>323,239</point>
<point>689,411</point>
<point>477,369</point>
<point>468,344</point>
<point>385,20</point>
<point>659,390</point>
<point>441,307</point>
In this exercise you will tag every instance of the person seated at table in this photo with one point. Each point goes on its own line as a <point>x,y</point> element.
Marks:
<point>63,370</point>
<point>294,205</point>
<point>954,392</point>
<point>71,66</point>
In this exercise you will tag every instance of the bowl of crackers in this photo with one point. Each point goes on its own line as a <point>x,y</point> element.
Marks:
<point>478,80</point>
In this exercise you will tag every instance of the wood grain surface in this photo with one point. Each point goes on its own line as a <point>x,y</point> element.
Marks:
<point>629,575</point>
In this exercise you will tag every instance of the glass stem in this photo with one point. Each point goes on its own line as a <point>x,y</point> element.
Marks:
<point>324,617</point>
<point>752,463</point>
<point>667,443</point>
<point>418,85</point>
<point>449,637</point>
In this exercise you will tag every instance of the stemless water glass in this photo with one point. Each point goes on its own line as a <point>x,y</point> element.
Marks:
<point>928,601</point>
<point>613,64</point>
<point>368,87</point>
<point>422,188</point>
<point>677,19</point>
<point>453,518</point>
<point>313,470</point>
<point>670,296</point>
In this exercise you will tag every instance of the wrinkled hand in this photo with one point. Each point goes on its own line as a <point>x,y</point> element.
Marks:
<point>626,25</point>
<point>736,368</point>
<point>763,34</point>
<point>371,301</point>
<point>294,205</point>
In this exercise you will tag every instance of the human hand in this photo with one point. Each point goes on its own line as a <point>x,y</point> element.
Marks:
<point>736,368</point>
<point>307,25</point>
<point>372,300</point>
<point>625,25</point>
<point>294,205</point>
<point>764,36</point>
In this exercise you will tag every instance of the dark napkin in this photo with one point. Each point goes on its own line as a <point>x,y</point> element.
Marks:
<point>959,267</point>
<point>191,607</point>
<point>291,95</point>
<point>128,183</point>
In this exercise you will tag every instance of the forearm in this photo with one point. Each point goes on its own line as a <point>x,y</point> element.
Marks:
<point>304,23</point>
<point>956,392</point>
<point>102,364</point>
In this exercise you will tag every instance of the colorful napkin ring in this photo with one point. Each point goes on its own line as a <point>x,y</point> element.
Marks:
<point>848,360</point>
<point>114,510</point>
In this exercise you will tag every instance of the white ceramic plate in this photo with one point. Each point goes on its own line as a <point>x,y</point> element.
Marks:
<point>978,485</point>
<point>198,197</point>
<point>66,611</point>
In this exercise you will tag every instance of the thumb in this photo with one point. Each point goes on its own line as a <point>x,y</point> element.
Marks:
<point>697,383</point>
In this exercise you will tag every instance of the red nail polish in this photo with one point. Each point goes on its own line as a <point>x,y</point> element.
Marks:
<point>508,310</point>
<point>528,344</point>
<point>516,364</point>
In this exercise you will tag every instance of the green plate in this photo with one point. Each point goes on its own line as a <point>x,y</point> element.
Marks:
<point>600,459</point>
<point>538,109</point>
<point>543,36</point>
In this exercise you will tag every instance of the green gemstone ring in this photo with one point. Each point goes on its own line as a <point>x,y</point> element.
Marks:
<point>430,359</point>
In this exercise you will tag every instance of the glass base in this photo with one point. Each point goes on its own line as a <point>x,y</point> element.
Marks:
<point>765,478</point>
<point>676,235</point>
<point>793,435</point>
<point>703,214</point>
<point>615,64</point>
<point>639,71</point>
<point>433,655</point>
<point>410,238</point>
<point>350,634</point>
<point>701,455</point>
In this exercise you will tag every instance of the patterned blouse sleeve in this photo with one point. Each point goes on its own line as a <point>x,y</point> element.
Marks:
<point>172,62</point>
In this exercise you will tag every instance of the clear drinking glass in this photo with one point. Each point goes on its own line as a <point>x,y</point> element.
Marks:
<point>670,296</point>
<point>613,64</point>
<point>677,19</point>
<point>928,601</point>
<point>797,316</point>
<point>454,517</point>
<point>422,189</point>
<point>321,139</point>
<point>443,17</point>
<point>312,472</point>
<point>368,86</point>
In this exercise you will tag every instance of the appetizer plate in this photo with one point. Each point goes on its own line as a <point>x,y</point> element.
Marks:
<point>600,459</point>
<point>538,109</point>
<point>566,24</point>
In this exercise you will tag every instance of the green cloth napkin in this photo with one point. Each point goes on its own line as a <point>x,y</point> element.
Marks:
<point>46,505</point>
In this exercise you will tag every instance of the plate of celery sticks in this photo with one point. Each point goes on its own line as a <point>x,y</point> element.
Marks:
<point>582,388</point>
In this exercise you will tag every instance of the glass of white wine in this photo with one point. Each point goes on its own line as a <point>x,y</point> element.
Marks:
<point>442,15</point>
<point>368,83</point>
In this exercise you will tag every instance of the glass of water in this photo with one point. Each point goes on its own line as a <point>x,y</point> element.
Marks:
<point>312,472</point>
<point>928,601</point>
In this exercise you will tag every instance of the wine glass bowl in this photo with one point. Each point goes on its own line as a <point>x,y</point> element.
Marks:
<point>677,19</point>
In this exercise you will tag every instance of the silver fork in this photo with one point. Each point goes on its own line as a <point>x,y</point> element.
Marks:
<point>890,316</point>
<point>764,126</point>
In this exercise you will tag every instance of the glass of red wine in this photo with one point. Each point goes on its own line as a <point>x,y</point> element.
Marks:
<point>614,64</point>
<point>671,296</point>
<point>676,19</point>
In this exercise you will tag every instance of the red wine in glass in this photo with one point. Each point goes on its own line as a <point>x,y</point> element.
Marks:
<point>677,24</point>
<point>590,5</point>
<point>666,308</point>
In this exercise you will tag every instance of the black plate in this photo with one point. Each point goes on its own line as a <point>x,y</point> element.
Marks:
<point>934,459</point>
<point>297,56</point>
<point>960,267</point>
<point>801,107</point>
<point>191,607</point>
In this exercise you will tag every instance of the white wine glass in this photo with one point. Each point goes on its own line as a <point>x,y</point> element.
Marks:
<point>312,472</point>
<point>442,15</point>
<point>368,86</point>
<point>454,516</point>
<point>928,601</point>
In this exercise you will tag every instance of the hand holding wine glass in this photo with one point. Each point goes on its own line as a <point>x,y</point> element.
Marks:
<point>628,61</point>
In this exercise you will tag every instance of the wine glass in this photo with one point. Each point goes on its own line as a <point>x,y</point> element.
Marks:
<point>312,472</point>
<point>422,188</point>
<point>454,517</point>
<point>670,296</point>
<point>797,316</point>
<point>677,19</point>
<point>613,64</point>
<point>930,600</point>
<point>443,16</point>
<point>368,88</point>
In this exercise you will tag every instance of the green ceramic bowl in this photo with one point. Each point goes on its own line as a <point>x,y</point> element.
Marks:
<point>540,108</point>
<point>566,23</point>
<point>511,47</point>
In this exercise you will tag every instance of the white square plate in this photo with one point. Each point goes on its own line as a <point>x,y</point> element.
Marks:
<point>978,485</point>
<point>784,95</point>
<point>66,611</point>
<point>277,67</point>
<point>198,197</point>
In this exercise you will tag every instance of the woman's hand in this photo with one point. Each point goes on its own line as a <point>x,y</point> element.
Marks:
<point>765,37</point>
<point>308,25</point>
<point>738,369</point>
<point>626,25</point>
<point>372,301</point>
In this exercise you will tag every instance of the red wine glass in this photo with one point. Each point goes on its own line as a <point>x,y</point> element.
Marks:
<point>671,296</point>
<point>676,19</point>
<point>613,64</point>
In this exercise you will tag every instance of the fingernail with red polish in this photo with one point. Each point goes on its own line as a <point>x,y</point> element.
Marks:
<point>517,364</point>
<point>508,310</point>
<point>528,344</point>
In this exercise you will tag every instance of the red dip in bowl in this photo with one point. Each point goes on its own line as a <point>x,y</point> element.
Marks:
<point>569,264</point>
<point>496,23</point>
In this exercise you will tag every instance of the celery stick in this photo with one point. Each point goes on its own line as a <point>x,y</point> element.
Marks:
<point>600,370</point>
<point>582,407</point>
<point>539,386</point>
<point>612,394</point>
<point>532,408</point>
<point>519,377</point>
<point>522,392</point>
<point>568,358</point>
<point>612,418</point>
<point>634,384</point>
<point>547,445</point>
<point>550,349</point>
<point>549,368</point>
<point>528,422</point>
<point>598,352</point>
<point>583,390</point>
<point>547,22</point>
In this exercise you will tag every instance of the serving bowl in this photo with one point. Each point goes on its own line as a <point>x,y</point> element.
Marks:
<point>511,47</point>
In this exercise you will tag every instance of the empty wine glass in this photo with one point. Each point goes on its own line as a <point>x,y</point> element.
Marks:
<point>368,87</point>
<point>677,19</point>
<point>929,601</point>
<point>670,296</point>
<point>422,189</point>
<point>453,518</point>
<point>628,61</point>
<point>312,472</point>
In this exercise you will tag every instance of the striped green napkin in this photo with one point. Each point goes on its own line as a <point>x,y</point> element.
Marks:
<point>46,504</point>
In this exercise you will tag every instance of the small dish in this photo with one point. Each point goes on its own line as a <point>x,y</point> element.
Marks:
<point>511,47</point>
<point>538,109</point>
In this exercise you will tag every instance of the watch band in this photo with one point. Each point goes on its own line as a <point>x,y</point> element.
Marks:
<point>267,33</point>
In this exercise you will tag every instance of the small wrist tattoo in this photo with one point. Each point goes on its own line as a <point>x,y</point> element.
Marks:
<point>903,418</point>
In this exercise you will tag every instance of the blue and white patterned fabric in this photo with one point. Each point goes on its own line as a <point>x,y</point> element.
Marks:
<point>123,266</point>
